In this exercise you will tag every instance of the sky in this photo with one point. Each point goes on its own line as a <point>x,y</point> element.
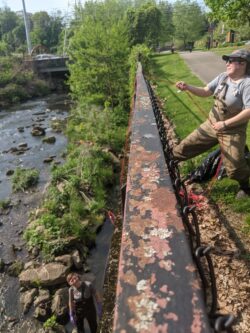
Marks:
<point>33,6</point>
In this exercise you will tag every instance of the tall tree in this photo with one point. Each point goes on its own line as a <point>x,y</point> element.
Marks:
<point>46,29</point>
<point>144,25</point>
<point>227,10</point>
<point>8,21</point>
<point>99,51</point>
<point>167,27</point>
<point>189,21</point>
<point>12,30</point>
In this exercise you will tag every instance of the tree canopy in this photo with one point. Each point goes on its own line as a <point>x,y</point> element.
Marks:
<point>189,21</point>
<point>45,29</point>
<point>99,51</point>
<point>228,10</point>
<point>143,25</point>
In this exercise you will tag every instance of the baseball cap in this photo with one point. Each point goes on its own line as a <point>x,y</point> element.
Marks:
<point>242,54</point>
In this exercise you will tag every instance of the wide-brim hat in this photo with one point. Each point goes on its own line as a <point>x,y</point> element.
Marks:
<point>241,54</point>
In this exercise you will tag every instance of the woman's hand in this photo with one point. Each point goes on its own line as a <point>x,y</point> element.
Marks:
<point>181,85</point>
<point>219,126</point>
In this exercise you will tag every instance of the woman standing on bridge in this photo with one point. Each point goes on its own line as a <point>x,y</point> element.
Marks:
<point>227,121</point>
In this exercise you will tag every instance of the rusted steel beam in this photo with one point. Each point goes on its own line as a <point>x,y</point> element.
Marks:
<point>158,289</point>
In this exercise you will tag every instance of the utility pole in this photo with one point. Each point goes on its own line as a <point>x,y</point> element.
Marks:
<point>26,23</point>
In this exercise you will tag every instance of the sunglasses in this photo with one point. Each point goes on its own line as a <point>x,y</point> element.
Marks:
<point>231,60</point>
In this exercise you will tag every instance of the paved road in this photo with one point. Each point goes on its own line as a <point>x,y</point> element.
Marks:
<point>206,65</point>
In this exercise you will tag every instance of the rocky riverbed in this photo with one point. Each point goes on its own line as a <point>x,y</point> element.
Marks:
<point>31,137</point>
<point>23,146</point>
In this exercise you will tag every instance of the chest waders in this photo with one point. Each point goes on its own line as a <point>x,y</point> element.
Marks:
<point>231,140</point>
<point>85,308</point>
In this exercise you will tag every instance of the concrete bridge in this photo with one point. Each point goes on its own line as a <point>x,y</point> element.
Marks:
<point>162,284</point>
<point>55,66</point>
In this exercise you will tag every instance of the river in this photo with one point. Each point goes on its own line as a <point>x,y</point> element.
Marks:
<point>16,125</point>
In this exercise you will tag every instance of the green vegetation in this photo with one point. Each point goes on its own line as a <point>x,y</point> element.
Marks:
<point>15,268</point>
<point>227,10</point>
<point>18,83</point>
<point>187,112</point>
<point>4,204</point>
<point>23,179</point>
<point>103,50</point>
<point>143,25</point>
<point>106,39</point>
<point>75,203</point>
<point>189,15</point>
<point>76,200</point>
<point>45,30</point>
<point>142,53</point>
<point>50,323</point>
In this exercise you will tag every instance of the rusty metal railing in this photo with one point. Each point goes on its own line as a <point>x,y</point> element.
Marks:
<point>158,289</point>
<point>201,254</point>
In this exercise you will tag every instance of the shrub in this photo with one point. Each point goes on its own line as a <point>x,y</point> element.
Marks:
<point>23,179</point>
<point>51,322</point>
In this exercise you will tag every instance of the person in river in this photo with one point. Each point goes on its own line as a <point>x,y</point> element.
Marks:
<point>82,299</point>
<point>227,120</point>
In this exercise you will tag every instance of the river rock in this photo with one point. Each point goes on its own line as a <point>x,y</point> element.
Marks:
<point>31,326</point>
<point>77,259</point>
<point>38,131</point>
<point>31,264</point>
<point>39,113</point>
<point>20,129</point>
<point>60,305</point>
<point>43,298</point>
<point>48,160</point>
<point>27,298</point>
<point>42,313</point>
<point>17,150</point>
<point>50,274</point>
<point>49,139</point>
<point>66,260</point>
<point>23,145</point>
<point>10,172</point>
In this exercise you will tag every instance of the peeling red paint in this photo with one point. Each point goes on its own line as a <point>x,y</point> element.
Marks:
<point>156,267</point>
<point>171,316</point>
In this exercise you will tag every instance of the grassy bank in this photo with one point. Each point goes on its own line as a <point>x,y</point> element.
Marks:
<point>187,112</point>
<point>77,198</point>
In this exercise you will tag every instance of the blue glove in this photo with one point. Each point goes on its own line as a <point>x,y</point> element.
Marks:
<point>99,309</point>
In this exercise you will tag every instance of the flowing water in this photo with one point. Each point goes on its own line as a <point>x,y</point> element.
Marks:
<point>16,125</point>
<point>15,128</point>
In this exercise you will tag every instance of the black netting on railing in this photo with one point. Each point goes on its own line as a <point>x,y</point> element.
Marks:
<point>201,254</point>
